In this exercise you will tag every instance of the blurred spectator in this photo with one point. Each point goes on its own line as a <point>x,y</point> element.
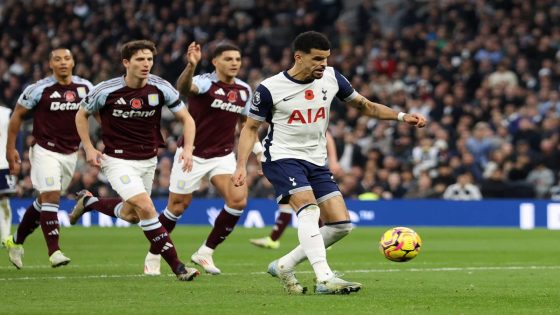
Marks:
<point>424,155</point>
<point>463,189</point>
<point>422,189</point>
<point>502,77</point>
<point>541,179</point>
<point>481,143</point>
<point>495,185</point>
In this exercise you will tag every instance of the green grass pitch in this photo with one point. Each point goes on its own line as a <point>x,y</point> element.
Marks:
<point>459,271</point>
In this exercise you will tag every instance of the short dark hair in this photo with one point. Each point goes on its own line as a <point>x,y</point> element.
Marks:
<point>51,53</point>
<point>310,40</point>
<point>224,47</point>
<point>130,48</point>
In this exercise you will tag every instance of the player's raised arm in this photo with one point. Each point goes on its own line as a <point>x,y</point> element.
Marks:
<point>12,155</point>
<point>184,83</point>
<point>379,111</point>
<point>247,138</point>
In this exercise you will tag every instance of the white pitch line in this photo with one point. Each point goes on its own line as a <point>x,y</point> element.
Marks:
<point>450,269</point>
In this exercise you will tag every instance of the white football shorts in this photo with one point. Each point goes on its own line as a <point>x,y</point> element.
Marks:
<point>129,177</point>
<point>185,183</point>
<point>51,171</point>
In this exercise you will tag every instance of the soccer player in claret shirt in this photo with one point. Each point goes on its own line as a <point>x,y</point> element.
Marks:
<point>54,102</point>
<point>129,109</point>
<point>296,104</point>
<point>217,102</point>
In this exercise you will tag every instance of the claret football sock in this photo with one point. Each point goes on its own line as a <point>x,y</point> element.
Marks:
<point>31,220</point>
<point>223,226</point>
<point>168,220</point>
<point>160,242</point>
<point>283,220</point>
<point>104,205</point>
<point>50,226</point>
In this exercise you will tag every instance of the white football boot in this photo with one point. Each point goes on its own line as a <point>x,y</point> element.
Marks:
<point>287,277</point>
<point>336,285</point>
<point>206,262</point>
<point>58,259</point>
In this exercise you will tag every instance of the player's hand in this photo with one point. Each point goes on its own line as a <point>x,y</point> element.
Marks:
<point>415,119</point>
<point>94,157</point>
<point>186,158</point>
<point>14,162</point>
<point>336,169</point>
<point>193,53</point>
<point>239,176</point>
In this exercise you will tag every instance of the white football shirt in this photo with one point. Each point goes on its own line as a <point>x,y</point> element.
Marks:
<point>4,121</point>
<point>298,113</point>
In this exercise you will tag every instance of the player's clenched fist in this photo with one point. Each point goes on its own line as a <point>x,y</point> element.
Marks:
<point>415,119</point>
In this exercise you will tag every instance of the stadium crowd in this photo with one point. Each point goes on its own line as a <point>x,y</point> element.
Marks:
<point>486,73</point>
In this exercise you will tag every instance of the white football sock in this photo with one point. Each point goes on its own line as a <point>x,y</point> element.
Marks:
<point>205,250</point>
<point>311,240</point>
<point>331,233</point>
<point>117,210</point>
<point>5,218</point>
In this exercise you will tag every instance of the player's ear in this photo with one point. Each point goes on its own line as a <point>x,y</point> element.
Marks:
<point>298,57</point>
<point>125,63</point>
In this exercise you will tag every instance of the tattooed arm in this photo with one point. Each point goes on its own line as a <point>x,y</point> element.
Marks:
<point>380,111</point>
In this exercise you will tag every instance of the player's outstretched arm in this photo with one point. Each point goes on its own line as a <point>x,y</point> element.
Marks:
<point>184,83</point>
<point>247,138</point>
<point>189,131</point>
<point>12,155</point>
<point>93,156</point>
<point>383,112</point>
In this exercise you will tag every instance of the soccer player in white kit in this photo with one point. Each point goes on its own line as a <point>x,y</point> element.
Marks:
<point>285,212</point>
<point>296,105</point>
<point>7,181</point>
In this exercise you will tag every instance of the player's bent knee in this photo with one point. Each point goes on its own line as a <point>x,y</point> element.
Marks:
<point>178,208</point>
<point>178,205</point>
<point>342,229</point>
<point>131,218</point>
<point>237,204</point>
